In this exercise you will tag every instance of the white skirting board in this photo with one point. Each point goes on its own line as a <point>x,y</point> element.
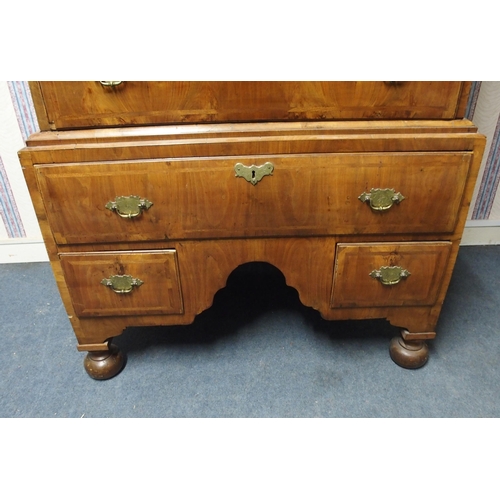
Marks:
<point>18,250</point>
<point>481,232</point>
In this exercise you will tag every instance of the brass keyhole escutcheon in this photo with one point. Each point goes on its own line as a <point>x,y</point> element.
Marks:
<point>253,173</point>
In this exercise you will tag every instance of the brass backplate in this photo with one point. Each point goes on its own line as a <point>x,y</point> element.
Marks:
<point>121,283</point>
<point>381,199</point>
<point>129,206</point>
<point>390,275</point>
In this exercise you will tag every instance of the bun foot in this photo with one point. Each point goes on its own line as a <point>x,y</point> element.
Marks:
<point>102,365</point>
<point>409,353</point>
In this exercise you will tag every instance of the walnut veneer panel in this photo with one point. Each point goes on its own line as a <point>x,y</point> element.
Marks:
<point>160,292</point>
<point>354,287</point>
<point>305,195</point>
<point>63,105</point>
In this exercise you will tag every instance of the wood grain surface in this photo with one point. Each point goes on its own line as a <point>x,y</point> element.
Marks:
<point>304,196</point>
<point>64,105</point>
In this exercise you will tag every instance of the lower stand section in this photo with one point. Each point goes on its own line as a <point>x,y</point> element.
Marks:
<point>103,365</point>
<point>408,353</point>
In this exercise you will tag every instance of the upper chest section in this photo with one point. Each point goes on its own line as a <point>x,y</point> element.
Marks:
<point>69,105</point>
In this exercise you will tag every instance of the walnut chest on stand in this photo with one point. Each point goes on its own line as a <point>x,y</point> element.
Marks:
<point>149,194</point>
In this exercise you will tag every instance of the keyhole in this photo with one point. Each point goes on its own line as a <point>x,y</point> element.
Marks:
<point>253,174</point>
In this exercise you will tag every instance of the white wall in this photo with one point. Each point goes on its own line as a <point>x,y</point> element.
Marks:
<point>20,237</point>
<point>483,225</point>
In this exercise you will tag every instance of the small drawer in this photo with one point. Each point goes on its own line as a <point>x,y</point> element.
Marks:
<point>388,274</point>
<point>67,105</point>
<point>301,195</point>
<point>123,283</point>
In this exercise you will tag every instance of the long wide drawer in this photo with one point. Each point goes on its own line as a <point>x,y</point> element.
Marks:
<point>388,274</point>
<point>123,283</point>
<point>65,105</point>
<point>303,195</point>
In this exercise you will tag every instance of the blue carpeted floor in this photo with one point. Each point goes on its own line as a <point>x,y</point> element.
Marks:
<point>256,353</point>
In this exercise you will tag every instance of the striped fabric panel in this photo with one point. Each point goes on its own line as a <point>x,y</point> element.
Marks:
<point>473,95</point>
<point>24,108</point>
<point>8,207</point>
<point>490,180</point>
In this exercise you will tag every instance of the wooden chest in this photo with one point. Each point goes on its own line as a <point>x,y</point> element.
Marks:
<point>149,194</point>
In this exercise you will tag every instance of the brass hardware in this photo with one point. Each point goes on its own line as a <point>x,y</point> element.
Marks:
<point>121,283</point>
<point>390,275</point>
<point>128,206</point>
<point>253,173</point>
<point>381,199</point>
<point>110,83</point>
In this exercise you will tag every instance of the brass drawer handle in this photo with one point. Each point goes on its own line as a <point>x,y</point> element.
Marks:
<point>128,206</point>
<point>121,283</point>
<point>253,173</point>
<point>110,83</point>
<point>381,199</point>
<point>390,275</point>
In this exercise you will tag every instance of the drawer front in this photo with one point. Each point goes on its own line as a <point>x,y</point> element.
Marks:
<point>123,283</point>
<point>304,195</point>
<point>388,274</point>
<point>92,104</point>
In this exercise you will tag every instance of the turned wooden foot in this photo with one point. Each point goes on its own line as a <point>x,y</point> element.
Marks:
<point>102,365</point>
<point>408,353</point>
